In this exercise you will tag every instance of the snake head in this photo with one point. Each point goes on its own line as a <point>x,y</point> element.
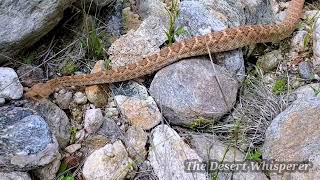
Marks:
<point>39,91</point>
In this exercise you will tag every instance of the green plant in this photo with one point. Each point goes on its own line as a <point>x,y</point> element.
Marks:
<point>279,86</point>
<point>69,68</point>
<point>173,13</point>
<point>64,173</point>
<point>199,123</point>
<point>254,155</point>
<point>92,41</point>
<point>73,133</point>
<point>30,58</point>
<point>214,176</point>
<point>309,22</point>
<point>107,63</point>
<point>316,91</point>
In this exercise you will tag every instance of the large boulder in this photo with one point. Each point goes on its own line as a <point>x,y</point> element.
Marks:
<point>294,136</point>
<point>23,23</point>
<point>26,141</point>
<point>190,89</point>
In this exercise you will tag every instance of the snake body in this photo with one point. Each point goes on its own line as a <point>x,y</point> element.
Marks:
<point>225,40</point>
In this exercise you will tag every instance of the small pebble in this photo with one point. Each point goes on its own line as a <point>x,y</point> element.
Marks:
<point>72,148</point>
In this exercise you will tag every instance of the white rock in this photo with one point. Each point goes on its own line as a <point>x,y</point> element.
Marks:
<point>168,153</point>
<point>10,86</point>
<point>93,120</point>
<point>110,162</point>
<point>80,98</point>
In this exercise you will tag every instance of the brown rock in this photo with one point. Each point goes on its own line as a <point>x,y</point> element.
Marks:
<point>139,112</point>
<point>96,93</point>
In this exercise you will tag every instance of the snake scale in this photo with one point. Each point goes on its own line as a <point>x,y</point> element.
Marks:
<point>225,40</point>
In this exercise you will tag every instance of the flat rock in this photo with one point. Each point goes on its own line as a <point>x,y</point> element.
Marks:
<point>168,153</point>
<point>26,140</point>
<point>22,23</point>
<point>294,135</point>
<point>189,89</point>
<point>109,162</point>
<point>10,86</point>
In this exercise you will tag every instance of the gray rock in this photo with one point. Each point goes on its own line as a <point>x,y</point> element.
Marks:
<point>270,60</point>
<point>196,19</point>
<point>26,140</point>
<point>110,130</point>
<point>63,99</point>
<point>130,89</point>
<point>298,41</point>
<point>93,120</point>
<point>80,98</point>
<point>23,23</point>
<point>48,172</point>
<point>308,91</point>
<point>57,120</point>
<point>2,101</point>
<point>10,86</point>
<point>189,89</point>
<point>238,12</point>
<point>210,148</point>
<point>15,175</point>
<point>168,153</point>
<point>136,140</point>
<point>109,162</point>
<point>154,8</point>
<point>30,75</point>
<point>306,70</point>
<point>294,136</point>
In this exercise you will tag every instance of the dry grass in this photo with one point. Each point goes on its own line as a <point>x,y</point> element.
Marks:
<point>256,108</point>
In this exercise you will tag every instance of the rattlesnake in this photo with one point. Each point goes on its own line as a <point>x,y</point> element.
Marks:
<point>228,39</point>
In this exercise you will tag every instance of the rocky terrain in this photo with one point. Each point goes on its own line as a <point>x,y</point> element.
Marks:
<point>255,104</point>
